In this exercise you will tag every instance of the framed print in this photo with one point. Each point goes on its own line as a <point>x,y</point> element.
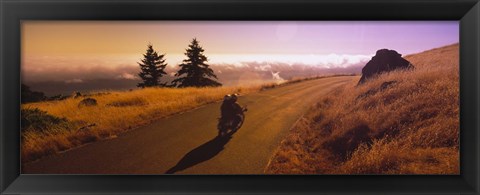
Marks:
<point>227,97</point>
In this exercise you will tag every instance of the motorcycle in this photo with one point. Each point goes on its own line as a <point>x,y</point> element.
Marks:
<point>226,126</point>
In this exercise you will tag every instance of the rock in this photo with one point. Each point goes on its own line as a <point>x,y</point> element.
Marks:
<point>385,60</point>
<point>87,102</point>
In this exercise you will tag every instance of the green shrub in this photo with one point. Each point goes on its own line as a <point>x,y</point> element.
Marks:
<point>40,121</point>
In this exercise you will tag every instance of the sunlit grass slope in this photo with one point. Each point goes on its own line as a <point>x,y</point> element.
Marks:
<point>404,122</point>
<point>115,113</point>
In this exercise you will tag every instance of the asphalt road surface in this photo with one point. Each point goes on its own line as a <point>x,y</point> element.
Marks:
<point>187,144</point>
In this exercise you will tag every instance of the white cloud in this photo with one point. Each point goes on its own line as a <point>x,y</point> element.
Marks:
<point>321,60</point>
<point>127,76</point>
<point>77,69</point>
<point>264,67</point>
<point>277,78</point>
<point>74,81</point>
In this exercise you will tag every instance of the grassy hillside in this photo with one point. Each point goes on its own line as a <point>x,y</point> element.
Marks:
<point>404,122</point>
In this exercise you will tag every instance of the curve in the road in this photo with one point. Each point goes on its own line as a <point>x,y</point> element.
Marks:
<point>187,144</point>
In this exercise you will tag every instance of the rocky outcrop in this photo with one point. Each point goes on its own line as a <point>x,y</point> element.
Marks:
<point>385,60</point>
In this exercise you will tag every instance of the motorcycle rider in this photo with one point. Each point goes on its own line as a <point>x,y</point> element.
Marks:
<point>230,109</point>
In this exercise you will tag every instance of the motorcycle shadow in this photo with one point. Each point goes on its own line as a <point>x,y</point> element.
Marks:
<point>202,153</point>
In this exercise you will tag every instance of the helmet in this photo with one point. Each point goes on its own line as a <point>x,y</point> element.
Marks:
<point>234,97</point>
<point>227,97</point>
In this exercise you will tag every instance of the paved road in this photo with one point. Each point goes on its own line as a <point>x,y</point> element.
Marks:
<point>186,143</point>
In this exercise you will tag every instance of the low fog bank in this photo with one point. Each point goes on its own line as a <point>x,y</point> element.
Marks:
<point>54,81</point>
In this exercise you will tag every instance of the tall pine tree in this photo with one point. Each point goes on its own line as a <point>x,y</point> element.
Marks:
<point>151,68</point>
<point>194,72</point>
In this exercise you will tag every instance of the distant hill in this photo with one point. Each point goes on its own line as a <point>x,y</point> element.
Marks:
<point>403,122</point>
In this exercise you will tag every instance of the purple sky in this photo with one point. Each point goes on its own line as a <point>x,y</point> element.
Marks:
<point>236,37</point>
<point>81,46</point>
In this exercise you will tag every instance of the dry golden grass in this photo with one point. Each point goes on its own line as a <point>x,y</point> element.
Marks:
<point>408,127</point>
<point>116,112</point>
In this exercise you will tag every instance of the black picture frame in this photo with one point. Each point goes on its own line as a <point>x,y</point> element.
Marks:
<point>12,12</point>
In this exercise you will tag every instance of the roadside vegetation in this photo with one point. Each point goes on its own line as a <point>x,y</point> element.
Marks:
<point>403,122</point>
<point>52,126</point>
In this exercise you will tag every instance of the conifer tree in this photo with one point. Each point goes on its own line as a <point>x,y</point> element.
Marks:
<point>194,72</point>
<point>152,68</point>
